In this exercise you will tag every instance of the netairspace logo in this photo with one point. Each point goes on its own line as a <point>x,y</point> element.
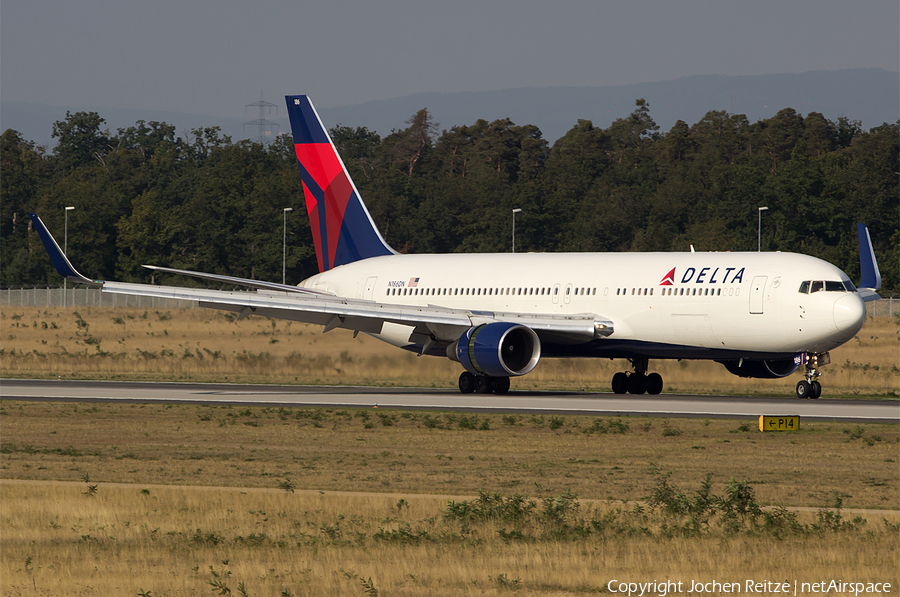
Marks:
<point>661,589</point>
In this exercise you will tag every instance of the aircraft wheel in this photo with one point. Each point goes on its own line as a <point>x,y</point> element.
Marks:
<point>620,383</point>
<point>466,382</point>
<point>815,390</point>
<point>501,385</point>
<point>637,384</point>
<point>654,383</point>
<point>483,384</point>
<point>803,389</point>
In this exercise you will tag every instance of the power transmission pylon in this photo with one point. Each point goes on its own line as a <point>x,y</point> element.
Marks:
<point>264,128</point>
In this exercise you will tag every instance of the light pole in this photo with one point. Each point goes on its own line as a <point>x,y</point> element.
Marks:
<point>514,212</point>
<point>66,251</point>
<point>759,229</point>
<point>284,244</point>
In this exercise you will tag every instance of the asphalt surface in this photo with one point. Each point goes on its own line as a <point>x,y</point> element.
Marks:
<point>605,404</point>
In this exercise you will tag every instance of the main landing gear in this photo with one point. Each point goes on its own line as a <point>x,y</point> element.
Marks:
<point>810,386</point>
<point>482,384</point>
<point>638,382</point>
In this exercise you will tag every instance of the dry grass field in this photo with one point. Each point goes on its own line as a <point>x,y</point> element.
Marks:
<point>153,499</point>
<point>131,499</point>
<point>135,540</point>
<point>202,345</point>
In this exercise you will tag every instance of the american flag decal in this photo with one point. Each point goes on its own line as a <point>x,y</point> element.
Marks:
<point>413,282</point>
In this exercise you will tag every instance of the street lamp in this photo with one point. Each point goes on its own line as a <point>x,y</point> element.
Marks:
<point>284,244</point>
<point>66,251</point>
<point>514,212</point>
<point>759,229</point>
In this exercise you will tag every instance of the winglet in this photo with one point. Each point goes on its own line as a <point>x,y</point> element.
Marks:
<point>59,259</point>
<point>868,266</point>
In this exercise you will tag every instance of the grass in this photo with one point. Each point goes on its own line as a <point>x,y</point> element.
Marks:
<point>140,499</point>
<point>445,453</point>
<point>203,345</point>
<point>190,500</point>
<point>193,541</point>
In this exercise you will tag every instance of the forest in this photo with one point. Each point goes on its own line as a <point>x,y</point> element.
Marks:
<point>144,195</point>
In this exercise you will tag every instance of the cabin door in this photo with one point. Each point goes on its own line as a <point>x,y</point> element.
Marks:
<point>757,290</point>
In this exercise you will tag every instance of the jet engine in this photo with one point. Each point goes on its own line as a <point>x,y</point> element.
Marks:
<point>770,369</point>
<point>497,349</point>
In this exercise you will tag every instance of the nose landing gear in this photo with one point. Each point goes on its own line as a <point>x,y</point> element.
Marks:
<point>810,387</point>
<point>638,382</point>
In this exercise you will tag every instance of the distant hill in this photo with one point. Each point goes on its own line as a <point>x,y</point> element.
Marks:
<point>871,96</point>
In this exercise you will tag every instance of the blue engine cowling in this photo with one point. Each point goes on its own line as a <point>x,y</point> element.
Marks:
<point>771,369</point>
<point>498,349</point>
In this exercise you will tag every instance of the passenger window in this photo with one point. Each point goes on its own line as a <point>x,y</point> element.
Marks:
<point>817,286</point>
<point>804,287</point>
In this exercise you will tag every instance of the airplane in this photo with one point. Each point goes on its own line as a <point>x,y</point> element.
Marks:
<point>761,315</point>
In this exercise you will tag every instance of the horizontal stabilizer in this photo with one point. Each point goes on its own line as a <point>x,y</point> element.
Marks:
<point>236,281</point>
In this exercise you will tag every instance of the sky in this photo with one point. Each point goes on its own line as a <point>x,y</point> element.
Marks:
<point>215,57</point>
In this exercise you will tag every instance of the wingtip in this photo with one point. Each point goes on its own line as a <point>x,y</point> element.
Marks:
<point>868,265</point>
<point>59,259</point>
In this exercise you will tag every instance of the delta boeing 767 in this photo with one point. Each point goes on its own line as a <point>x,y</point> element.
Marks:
<point>760,315</point>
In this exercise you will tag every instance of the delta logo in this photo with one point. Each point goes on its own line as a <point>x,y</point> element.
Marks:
<point>706,275</point>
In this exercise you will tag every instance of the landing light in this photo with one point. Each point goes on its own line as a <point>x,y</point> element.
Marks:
<point>603,329</point>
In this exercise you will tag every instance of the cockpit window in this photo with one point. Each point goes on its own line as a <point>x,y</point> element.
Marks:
<point>809,287</point>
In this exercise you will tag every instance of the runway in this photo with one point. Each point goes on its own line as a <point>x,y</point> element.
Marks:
<point>601,404</point>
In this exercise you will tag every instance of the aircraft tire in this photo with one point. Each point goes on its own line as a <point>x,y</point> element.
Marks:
<point>637,384</point>
<point>501,385</point>
<point>815,390</point>
<point>620,383</point>
<point>803,389</point>
<point>466,382</point>
<point>654,383</point>
<point>483,385</point>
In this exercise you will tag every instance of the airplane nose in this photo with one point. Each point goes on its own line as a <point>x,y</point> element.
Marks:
<point>849,313</point>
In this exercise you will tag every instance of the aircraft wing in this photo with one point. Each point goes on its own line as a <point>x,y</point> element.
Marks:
<point>440,324</point>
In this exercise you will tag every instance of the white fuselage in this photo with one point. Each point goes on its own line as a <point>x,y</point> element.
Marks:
<point>680,305</point>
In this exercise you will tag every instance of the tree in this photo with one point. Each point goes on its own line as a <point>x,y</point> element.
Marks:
<point>81,142</point>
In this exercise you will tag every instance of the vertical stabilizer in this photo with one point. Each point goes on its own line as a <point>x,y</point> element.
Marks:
<point>342,228</point>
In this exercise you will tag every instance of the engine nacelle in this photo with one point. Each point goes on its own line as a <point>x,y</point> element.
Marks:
<point>497,349</point>
<point>771,369</point>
